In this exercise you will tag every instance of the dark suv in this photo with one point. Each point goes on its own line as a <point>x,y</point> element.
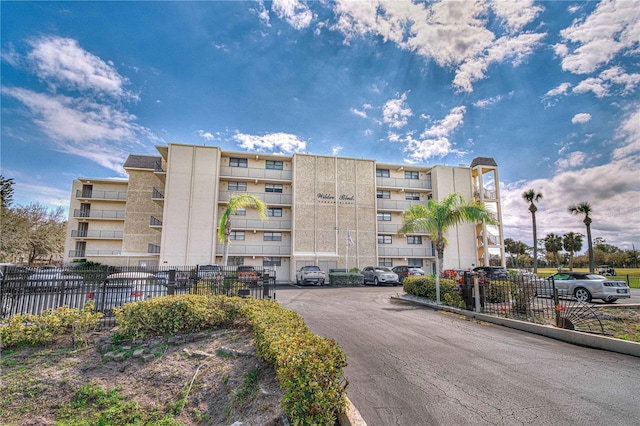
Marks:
<point>404,271</point>
<point>493,272</point>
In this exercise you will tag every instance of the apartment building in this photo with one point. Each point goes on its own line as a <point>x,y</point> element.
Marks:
<point>329,211</point>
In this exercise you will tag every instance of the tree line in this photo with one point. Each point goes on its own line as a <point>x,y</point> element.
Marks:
<point>30,233</point>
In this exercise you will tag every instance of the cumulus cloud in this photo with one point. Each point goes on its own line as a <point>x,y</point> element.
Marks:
<point>296,13</point>
<point>589,43</point>
<point>434,140</point>
<point>335,150</point>
<point>581,118</point>
<point>281,143</point>
<point>205,135</point>
<point>452,33</point>
<point>573,160</point>
<point>396,113</point>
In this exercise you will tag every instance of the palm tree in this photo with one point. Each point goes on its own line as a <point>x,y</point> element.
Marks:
<point>553,244</point>
<point>531,196</point>
<point>237,202</point>
<point>585,209</point>
<point>572,243</point>
<point>436,218</point>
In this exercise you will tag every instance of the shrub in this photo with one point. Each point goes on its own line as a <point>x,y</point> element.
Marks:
<point>36,330</point>
<point>346,279</point>
<point>175,314</point>
<point>425,286</point>
<point>308,367</point>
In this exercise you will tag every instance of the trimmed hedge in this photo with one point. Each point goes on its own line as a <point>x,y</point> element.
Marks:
<point>308,367</point>
<point>425,286</point>
<point>346,279</point>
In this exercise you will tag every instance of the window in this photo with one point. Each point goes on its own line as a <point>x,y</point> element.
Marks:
<point>272,261</point>
<point>273,187</point>
<point>274,212</point>
<point>274,165</point>
<point>237,186</point>
<point>236,235</point>
<point>414,239</point>
<point>383,194</point>
<point>272,236</point>
<point>384,217</point>
<point>237,162</point>
<point>412,196</point>
<point>415,262</point>
<point>382,172</point>
<point>384,239</point>
<point>385,261</point>
<point>411,174</point>
<point>241,212</point>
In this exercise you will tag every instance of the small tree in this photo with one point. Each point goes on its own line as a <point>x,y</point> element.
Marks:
<point>237,202</point>
<point>585,209</point>
<point>572,243</point>
<point>437,217</point>
<point>553,245</point>
<point>531,196</point>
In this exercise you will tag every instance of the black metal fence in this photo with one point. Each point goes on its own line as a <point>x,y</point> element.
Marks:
<point>32,291</point>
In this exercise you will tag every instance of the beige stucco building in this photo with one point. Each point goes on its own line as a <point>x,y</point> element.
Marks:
<point>329,211</point>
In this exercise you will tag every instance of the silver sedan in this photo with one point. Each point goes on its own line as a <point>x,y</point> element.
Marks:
<point>585,287</point>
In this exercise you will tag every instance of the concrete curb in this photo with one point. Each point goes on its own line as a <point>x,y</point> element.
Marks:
<point>351,417</point>
<point>569,336</point>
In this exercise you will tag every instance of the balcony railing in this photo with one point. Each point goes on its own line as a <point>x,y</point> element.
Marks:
<point>86,253</point>
<point>153,221</point>
<point>158,167</point>
<point>404,252</point>
<point>114,235</point>
<point>102,195</point>
<point>489,194</point>
<point>255,173</point>
<point>270,223</point>
<point>99,214</point>
<point>492,240</point>
<point>270,198</point>
<point>400,205</point>
<point>157,195</point>
<point>404,183</point>
<point>253,250</point>
<point>153,248</point>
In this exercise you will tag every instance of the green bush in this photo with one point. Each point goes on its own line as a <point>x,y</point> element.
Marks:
<point>308,367</point>
<point>184,313</point>
<point>36,330</point>
<point>425,286</point>
<point>346,279</point>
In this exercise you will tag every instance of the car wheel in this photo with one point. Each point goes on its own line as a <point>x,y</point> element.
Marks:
<point>582,294</point>
<point>375,281</point>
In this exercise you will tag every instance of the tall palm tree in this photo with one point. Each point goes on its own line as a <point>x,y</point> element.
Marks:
<point>437,217</point>
<point>531,196</point>
<point>237,202</point>
<point>553,244</point>
<point>585,209</point>
<point>572,243</point>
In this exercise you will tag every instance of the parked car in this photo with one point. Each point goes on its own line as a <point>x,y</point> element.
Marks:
<point>585,287</point>
<point>310,274</point>
<point>492,272</point>
<point>403,271</point>
<point>54,278</point>
<point>247,274</point>
<point>380,274</point>
<point>210,273</point>
<point>182,278</point>
<point>606,270</point>
<point>125,287</point>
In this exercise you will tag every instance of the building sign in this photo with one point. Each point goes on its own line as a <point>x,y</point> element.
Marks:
<point>342,199</point>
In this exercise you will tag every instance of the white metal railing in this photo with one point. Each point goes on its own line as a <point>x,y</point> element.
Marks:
<point>401,205</point>
<point>101,195</point>
<point>99,214</point>
<point>96,234</point>
<point>404,251</point>
<point>85,253</point>
<point>269,198</point>
<point>255,250</point>
<point>404,183</point>
<point>255,173</point>
<point>270,223</point>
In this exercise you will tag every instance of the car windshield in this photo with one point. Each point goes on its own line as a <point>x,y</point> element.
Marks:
<point>381,269</point>
<point>311,268</point>
<point>595,277</point>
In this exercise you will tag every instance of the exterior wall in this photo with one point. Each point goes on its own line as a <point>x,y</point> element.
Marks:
<point>190,206</point>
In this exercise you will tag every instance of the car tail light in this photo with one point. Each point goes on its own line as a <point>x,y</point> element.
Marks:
<point>90,295</point>
<point>136,294</point>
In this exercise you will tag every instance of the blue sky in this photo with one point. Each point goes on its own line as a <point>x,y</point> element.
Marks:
<point>548,89</point>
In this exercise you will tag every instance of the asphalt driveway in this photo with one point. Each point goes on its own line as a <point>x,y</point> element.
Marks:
<point>411,365</point>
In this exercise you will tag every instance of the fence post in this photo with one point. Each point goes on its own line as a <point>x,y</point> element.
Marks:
<point>171,282</point>
<point>476,289</point>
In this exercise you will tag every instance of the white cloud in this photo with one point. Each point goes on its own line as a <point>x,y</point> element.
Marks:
<point>62,62</point>
<point>335,150</point>
<point>573,160</point>
<point>205,135</point>
<point>610,29</point>
<point>296,13</point>
<point>452,33</point>
<point>592,84</point>
<point>629,134</point>
<point>284,143</point>
<point>581,118</point>
<point>560,90</point>
<point>395,113</point>
<point>434,141</point>
<point>359,113</point>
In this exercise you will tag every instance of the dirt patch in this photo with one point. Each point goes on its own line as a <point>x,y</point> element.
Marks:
<point>208,372</point>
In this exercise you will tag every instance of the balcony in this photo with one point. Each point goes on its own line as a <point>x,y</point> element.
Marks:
<point>255,173</point>
<point>101,195</point>
<point>492,240</point>
<point>269,198</point>
<point>157,195</point>
<point>155,222</point>
<point>389,182</point>
<point>404,252</point>
<point>86,253</point>
<point>255,250</point>
<point>153,249</point>
<point>99,214</point>
<point>489,194</point>
<point>399,205</point>
<point>270,223</point>
<point>158,167</point>
<point>97,235</point>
